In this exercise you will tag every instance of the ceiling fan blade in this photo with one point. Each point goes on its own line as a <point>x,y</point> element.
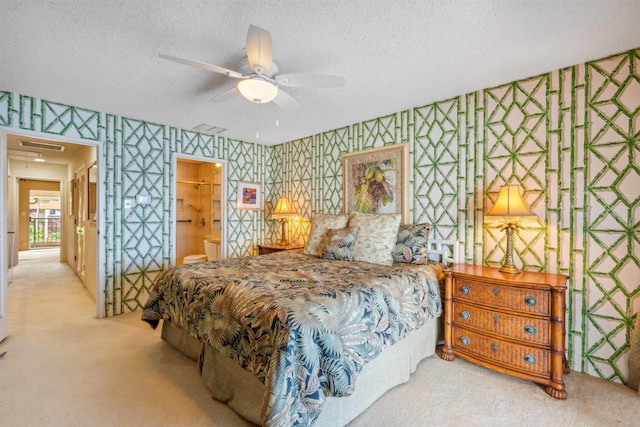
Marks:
<point>310,80</point>
<point>225,95</point>
<point>259,50</point>
<point>285,101</point>
<point>203,65</point>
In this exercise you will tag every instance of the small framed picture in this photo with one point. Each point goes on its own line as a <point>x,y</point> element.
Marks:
<point>249,195</point>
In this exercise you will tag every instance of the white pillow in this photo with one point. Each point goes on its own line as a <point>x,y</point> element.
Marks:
<point>319,226</point>
<point>376,237</point>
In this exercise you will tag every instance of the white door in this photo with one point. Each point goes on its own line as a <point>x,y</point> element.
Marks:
<point>4,261</point>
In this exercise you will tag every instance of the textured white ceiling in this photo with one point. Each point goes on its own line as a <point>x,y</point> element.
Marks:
<point>395,55</point>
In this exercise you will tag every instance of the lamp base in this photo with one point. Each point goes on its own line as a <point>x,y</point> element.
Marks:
<point>509,269</point>
<point>284,241</point>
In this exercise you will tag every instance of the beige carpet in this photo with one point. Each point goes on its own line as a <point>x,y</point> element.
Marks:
<point>63,367</point>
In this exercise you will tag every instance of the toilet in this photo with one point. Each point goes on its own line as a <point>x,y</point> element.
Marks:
<point>212,246</point>
<point>211,249</point>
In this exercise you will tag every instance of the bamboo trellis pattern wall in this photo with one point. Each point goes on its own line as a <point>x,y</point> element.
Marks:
<point>570,138</point>
<point>139,159</point>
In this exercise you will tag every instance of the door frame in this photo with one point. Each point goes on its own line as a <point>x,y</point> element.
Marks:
<point>100,208</point>
<point>223,204</point>
<point>4,185</point>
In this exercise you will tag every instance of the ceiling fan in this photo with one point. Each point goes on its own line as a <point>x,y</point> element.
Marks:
<point>258,76</point>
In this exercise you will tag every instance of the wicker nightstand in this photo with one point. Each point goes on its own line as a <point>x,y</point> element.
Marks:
<point>512,323</point>
<point>269,248</point>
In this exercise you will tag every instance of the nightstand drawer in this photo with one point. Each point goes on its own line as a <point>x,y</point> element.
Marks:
<point>514,356</point>
<point>530,330</point>
<point>533,301</point>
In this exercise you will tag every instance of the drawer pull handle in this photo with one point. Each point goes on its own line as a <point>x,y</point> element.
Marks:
<point>494,346</point>
<point>496,291</point>
<point>495,318</point>
<point>464,339</point>
<point>465,315</point>
<point>530,330</point>
<point>530,359</point>
<point>530,301</point>
<point>465,290</point>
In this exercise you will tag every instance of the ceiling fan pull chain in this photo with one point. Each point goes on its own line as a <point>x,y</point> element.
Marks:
<point>257,122</point>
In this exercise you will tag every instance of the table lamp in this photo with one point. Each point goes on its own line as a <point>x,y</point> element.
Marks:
<point>282,212</point>
<point>511,207</point>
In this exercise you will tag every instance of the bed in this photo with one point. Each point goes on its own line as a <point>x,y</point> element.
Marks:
<point>291,338</point>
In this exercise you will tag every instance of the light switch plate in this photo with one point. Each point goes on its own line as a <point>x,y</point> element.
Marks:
<point>143,199</point>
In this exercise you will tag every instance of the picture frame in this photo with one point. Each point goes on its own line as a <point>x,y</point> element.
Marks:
<point>377,181</point>
<point>249,195</point>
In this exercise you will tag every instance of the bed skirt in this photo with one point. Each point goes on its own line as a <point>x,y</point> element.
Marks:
<point>243,392</point>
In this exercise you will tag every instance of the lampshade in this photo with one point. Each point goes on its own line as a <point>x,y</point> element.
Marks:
<point>283,209</point>
<point>510,203</point>
<point>257,90</point>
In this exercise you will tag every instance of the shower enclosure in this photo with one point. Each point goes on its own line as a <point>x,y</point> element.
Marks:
<point>198,206</point>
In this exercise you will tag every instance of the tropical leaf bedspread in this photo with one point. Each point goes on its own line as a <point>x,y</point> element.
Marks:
<point>304,326</point>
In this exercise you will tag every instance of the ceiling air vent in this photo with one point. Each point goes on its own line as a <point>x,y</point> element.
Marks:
<point>210,129</point>
<point>42,145</point>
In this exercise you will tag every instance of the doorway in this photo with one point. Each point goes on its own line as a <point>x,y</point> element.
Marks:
<point>39,218</point>
<point>199,210</point>
<point>32,158</point>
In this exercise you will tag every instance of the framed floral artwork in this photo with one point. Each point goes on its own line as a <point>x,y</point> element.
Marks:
<point>249,195</point>
<point>376,181</point>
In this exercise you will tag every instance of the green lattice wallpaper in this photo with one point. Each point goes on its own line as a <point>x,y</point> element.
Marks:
<point>570,138</point>
<point>609,187</point>
<point>139,158</point>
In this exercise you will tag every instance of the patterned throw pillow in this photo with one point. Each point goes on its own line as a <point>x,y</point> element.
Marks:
<point>412,244</point>
<point>376,237</point>
<point>319,226</point>
<point>340,244</point>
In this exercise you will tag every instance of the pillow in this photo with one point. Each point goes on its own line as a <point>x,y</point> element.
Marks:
<point>340,244</point>
<point>412,244</point>
<point>319,226</point>
<point>376,237</point>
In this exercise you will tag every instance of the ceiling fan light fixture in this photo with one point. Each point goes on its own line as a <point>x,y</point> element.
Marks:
<point>257,90</point>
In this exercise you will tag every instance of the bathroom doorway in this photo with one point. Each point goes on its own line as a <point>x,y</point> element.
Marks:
<point>199,216</point>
